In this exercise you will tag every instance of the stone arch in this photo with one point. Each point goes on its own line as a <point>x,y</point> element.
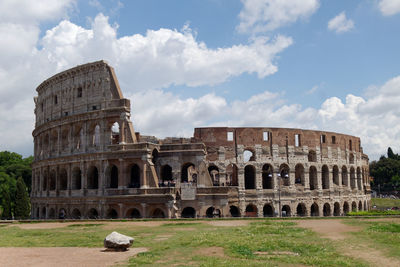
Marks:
<point>92,178</point>
<point>52,182</point>
<point>314,209</point>
<point>37,213</point>
<point>345,177</point>
<point>312,156</point>
<point>112,176</point>
<point>360,206</point>
<point>112,214</point>
<point>358,178</point>
<point>352,178</point>
<point>43,215</point>
<point>134,181</point>
<point>63,179</point>
<point>214,174</point>
<point>76,179</point>
<point>52,213</point>
<point>327,209</point>
<point>232,174</point>
<point>154,156</point>
<point>313,178</point>
<point>346,208</point>
<point>188,212</point>
<point>45,178</point>
<point>299,174</point>
<point>351,158</point>
<point>268,210</point>
<point>336,209</point>
<point>79,138</point>
<point>96,136</point>
<point>251,210</point>
<point>93,214</point>
<point>54,141</point>
<point>365,205</point>
<point>354,206</point>
<point>133,213</point>
<point>267,180</point>
<point>234,211</point>
<point>325,177</point>
<point>301,210</point>
<point>187,172</point>
<point>249,155</point>
<point>249,177</point>
<point>284,171</point>
<point>286,212</point>
<point>335,174</point>
<point>115,138</point>
<point>65,139</point>
<point>157,213</point>
<point>210,212</point>
<point>166,173</point>
<point>76,214</point>
<point>62,213</point>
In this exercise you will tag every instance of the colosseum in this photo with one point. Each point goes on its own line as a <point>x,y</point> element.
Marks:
<point>90,163</point>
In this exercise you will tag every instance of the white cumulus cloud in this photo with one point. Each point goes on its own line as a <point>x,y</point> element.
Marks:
<point>259,16</point>
<point>340,23</point>
<point>389,7</point>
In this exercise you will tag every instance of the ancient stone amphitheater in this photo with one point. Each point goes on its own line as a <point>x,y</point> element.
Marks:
<point>90,163</point>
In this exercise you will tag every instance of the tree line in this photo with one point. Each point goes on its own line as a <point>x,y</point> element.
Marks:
<point>386,172</point>
<point>15,185</point>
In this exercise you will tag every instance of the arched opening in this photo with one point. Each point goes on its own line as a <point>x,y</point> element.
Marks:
<point>358,178</point>
<point>112,176</point>
<point>115,133</point>
<point>299,175</point>
<point>43,213</point>
<point>267,177</point>
<point>134,181</point>
<point>54,141</point>
<point>284,174</point>
<point>112,214</point>
<point>79,138</point>
<point>325,177</point>
<point>360,206</point>
<point>249,177</point>
<point>335,174</point>
<point>45,178</point>
<point>234,211</point>
<point>346,208</point>
<point>351,158</point>
<point>76,178</point>
<point>251,210</point>
<point>92,178</point>
<point>327,209</point>
<point>313,178</point>
<point>52,180</point>
<point>76,214</point>
<point>188,173</point>
<point>314,209</point>
<point>166,175</point>
<point>211,212</point>
<point>268,210</point>
<point>312,156</point>
<point>64,139</point>
<point>157,213</point>
<point>352,178</point>
<point>336,209</point>
<point>188,212</point>
<point>93,214</point>
<point>154,156</point>
<point>345,177</point>
<point>52,214</point>
<point>62,214</point>
<point>63,178</point>
<point>133,214</point>
<point>232,175</point>
<point>365,205</point>
<point>38,213</point>
<point>354,206</point>
<point>96,136</point>
<point>286,211</point>
<point>301,210</point>
<point>248,155</point>
<point>214,174</point>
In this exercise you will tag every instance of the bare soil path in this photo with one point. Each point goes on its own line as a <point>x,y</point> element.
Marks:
<point>336,230</point>
<point>65,256</point>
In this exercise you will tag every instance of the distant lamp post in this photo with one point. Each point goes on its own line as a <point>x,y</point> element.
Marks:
<point>281,175</point>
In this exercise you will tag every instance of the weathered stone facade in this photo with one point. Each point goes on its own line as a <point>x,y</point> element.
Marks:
<point>89,162</point>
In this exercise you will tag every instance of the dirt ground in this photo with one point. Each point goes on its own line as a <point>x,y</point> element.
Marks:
<point>65,256</point>
<point>336,230</point>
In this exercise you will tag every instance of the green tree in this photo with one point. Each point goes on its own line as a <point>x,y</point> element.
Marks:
<point>6,205</point>
<point>390,153</point>
<point>22,205</point>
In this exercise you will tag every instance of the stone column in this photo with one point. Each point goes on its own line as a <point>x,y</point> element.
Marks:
<point>258,178</point>
<point>241,178</point>
<point>306,179</point>
<point>319,180</point>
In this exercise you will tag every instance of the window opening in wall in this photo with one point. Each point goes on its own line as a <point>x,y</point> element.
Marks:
<point>79,93</point>
<point>333,139</point>
<point>229,136</point>
<point>297,140</point>
<point>115,133</point>
<point>350,145</point>
<point>323,138</point>
<point>66,113</point>
<point>94,107</point>
<point>248,156</point>
<point>55,100</point>
<point>265,136</point>
<point>42,106</point>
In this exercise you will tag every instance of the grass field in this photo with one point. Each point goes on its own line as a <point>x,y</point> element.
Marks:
<point>385,203</point>
<point>199,243</point>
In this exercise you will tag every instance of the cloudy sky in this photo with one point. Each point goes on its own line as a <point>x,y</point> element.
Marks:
<point>313,64</point>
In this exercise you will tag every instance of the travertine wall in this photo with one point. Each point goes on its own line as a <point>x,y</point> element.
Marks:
<point>89,162</point>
